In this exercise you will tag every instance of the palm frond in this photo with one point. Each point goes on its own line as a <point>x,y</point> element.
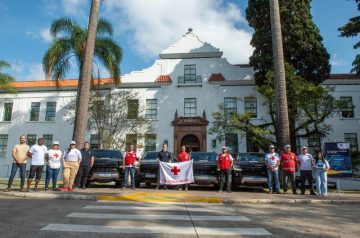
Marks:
<point>4,64</point>
<point>104,27</point>
<point>62,25</point>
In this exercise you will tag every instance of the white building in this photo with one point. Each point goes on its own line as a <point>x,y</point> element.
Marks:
<point>180,91</point>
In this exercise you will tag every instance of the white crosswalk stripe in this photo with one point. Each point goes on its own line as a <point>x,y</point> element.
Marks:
<point>157,218</point>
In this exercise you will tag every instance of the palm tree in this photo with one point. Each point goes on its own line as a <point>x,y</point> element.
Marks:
<point>73,41</point>
<point>282,116</point>
<point>6,79</point>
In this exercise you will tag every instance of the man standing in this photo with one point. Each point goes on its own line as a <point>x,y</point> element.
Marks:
<point>224,165</point>
<point>306,162</point>
<point>37,154</point>
<point>128,163</point>
<point>272,161</point>
<point>288,161</point>
<point>19,154</point>
<point>183,156</point>
<point>87,161</point>
<point>163,156</point>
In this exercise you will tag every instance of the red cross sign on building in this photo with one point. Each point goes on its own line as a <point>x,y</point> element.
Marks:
<point>175,170</point>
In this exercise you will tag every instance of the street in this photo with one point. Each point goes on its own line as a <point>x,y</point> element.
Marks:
<point>71,218</point>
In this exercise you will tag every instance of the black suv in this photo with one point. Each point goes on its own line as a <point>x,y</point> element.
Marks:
<point>249,169</point>
<point>148,171</point>
<point>205,168</point>
<point>107,167</point>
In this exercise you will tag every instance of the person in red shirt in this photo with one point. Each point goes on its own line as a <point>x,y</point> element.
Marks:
<point>183,156</point>
<point>129,166</point>
<point>288,161</point>
<point>224,165</point>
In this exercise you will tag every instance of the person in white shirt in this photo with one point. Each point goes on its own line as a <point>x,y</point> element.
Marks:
<point>306,162</point>
<point>321,166</point>
<point>71,161</point>
<point>272,161</point>
<point>37,154</point>
<point>53,165</point>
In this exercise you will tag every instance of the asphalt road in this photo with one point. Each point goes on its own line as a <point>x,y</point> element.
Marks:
<point>70,218</point>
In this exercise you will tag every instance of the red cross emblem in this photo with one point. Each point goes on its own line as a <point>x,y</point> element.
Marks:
<point>175,170</point>
<point>56,155</point>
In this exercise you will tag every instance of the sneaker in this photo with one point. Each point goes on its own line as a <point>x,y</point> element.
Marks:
<point>295,193</point>
<point>270,192</point>
<point>285,192</point>
<point>302,193</point>
<point>55,189</point>
<point>70,189</point>
<point>123,188</point>
<point>228,191</point>
<point>83,187</point>
<point>179,189</point>
<point>64,189</point>
<point>278,192</point>
<point>7,190</point>
<point>75,188</point>
<point>156,188</point>
<point>133,188</point>
<point>186,189</point>
<point>23,190</point>
<point>220,191</point>
<point>35,189</point>
<point>46,189</point>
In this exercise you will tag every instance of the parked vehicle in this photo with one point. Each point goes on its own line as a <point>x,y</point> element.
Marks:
<point>249,169</point>
<point>148,171</point>
<point>205,168</point>
<point>107,167</point>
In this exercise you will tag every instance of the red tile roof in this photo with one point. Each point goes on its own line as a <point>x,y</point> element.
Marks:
<point>344,76</point>
<point>61,83</point>
<point>216,78</point>
<point>163,79</point>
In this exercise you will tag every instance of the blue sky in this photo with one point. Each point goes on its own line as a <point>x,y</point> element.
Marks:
<point>143,28</point>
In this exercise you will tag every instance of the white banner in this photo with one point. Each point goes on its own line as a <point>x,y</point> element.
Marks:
<point>176,173</point>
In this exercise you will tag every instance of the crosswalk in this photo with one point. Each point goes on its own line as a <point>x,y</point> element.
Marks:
<point>157,220</point>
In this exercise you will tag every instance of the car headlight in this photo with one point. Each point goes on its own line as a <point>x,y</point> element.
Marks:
<point>237,168</point>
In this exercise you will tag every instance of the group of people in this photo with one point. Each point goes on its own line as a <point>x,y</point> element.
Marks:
<point>76,165</point>
<point>306,164</point>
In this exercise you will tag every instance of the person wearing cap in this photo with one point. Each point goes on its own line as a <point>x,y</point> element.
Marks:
<point>306,163</point>
<point>129,166</point>
<point>288,161</point>
<point>87,162</point>
<point>272,161</point>
<point>224,165</point>
<point>37,153</point>
<point>71,160</point>
<point>53,165</point>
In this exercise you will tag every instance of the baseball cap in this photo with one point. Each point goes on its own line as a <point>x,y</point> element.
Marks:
<point>304,147</point>
<point>72,142</point>
<point>287,146</point>
<point>56,143</point>
<point>224,147</point>
<point>271,146</point>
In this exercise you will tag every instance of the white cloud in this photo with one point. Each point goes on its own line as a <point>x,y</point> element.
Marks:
<point>74,7</point>
<point>32,34</point>
<point>24,71</point>
<point>45,34</point>
<point>336,61</point>
<point>35,72</point>
<point>154,25</point>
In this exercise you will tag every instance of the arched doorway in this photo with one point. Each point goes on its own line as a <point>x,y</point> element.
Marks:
<point>191,142</point>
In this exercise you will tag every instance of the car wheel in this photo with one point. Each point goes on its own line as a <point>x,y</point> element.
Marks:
<point>216,186</point>
<point>137,184</point>
<point>118,184</point>
<point>148,184</point>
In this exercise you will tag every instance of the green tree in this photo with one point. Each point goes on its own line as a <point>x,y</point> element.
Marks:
<point>352,29</point>
<point>302,42</point>
<point>70,41</point>
<point>6,79</point>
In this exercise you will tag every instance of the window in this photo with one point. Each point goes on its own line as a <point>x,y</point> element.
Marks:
<point>314,144</point>
<point>35,111</point>
<point>133,109</point>
<point>348,110</point>
<point>251,144</point>
<point>3,145</point>
<point>48,138</point>
<point>150,142</point>
<point>31,139</point>
<point>251,105</point>
<point>151,109</point>
<point>231,143</point>
<point>131,139</point>
<point>352,139</point>
<point>7,111</point>
<point>190,107</point>
<point>190,73</point>
<point>230,106</point>
<point>50,111</point>
<point>94,141</point>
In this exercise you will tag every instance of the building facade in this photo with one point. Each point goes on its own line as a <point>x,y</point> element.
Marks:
<point>180,91</point>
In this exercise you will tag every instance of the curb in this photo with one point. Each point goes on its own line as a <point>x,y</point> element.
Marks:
<point>225,201</point>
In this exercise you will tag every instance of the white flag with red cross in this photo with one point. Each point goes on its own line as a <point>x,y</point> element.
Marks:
<point>176,173</point>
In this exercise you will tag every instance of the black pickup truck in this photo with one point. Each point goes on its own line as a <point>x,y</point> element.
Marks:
<point>148,171</point>
<point>205,168</point>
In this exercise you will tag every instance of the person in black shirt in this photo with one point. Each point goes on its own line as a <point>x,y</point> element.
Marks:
<point>163,156</point>
<point>86,163</point>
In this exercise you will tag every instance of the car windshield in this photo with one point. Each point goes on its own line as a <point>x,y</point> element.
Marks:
<point>114,154</point>
<point>203,156</point>
<point>150,155</point>
<point>250,157</point>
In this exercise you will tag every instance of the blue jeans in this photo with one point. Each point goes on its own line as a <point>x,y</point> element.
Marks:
<point>273,176</point>
<point>51,174</point>
<point>14,169</point>
<point>130,170</point>
<point>321,182</point>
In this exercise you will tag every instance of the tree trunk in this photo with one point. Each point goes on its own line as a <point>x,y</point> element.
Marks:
<point>83,95</point>
<point>282,134</point>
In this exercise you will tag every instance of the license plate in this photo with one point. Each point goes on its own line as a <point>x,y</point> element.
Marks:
<point>202,177</point>
<point>149,175</point>
<point>256,178</point>
<point>105,174</point>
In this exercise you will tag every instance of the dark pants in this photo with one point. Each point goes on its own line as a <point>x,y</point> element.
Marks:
<point>36,171</point>
<point>130,170</point>
<point>14,169</point>
<point>306,175</point>
<point>82,176</point>
<point>51,174</point>
<point>224,178</point>
<point>289,176</point>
